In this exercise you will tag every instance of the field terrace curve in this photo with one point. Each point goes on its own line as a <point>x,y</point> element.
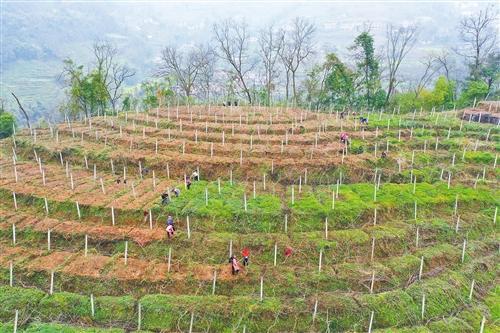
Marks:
<point>394,231</point>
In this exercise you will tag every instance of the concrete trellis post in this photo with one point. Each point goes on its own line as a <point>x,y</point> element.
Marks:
<point>150,219</point>
<point>481,328</point>
<point>275,253</point>
<point>372,284</point>
<point>423,306</point>
<point>11,274</point>
<point>48,239</point>
<point>13,234</point>
<point>326,228</point>
<point>102,186</point>
<point>92,306</point>
<point>51,290</point>
<point>471,289</point>
<point>245,201</point>
<point>139,316</point>
<point>320,262</point>
<point>371,322</point>
<point>214,281</point>
<point>86,246</point>
<point>16,319</point>
<point>78,210</point>
<point>206,196</point>
<point>169,261</point>
<point>375,216</point>
<point>230,248</point>
<point>188,227</point>
<point>46,206</point>
<point>261,288</point>
<point>126,252</point>
<point>421,269</point>
<point>286,223</point>
<point>113,216</point>
<point>15,200</point>
<point>463,251</point>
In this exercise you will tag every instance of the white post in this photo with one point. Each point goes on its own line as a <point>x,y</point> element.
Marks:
<point>214,282</point>
<point>78,210</point>
<point>169,259</point>
<point>206,196</point>
<point>230,248</point>
<point>11,274</point>
<point>326,228</point>
<point>113,215</point>
<point>286,223</point>
<point>92,307</point>
<point>13,234</point>
<point>188,227</point>
<point>46,206</point>
<point>371,322</point>
<point>420,270</point>
<point>48,239</point>
<point>463,250</point>
<point>320,260</point>
<point>423,306</point>
<point>15,200</point>
<point>483,321</point>
<point>150,219</point>
<point>126,252</point>
<point>372,282</point>
<point>139,310</point>
<point>16,319</point>
<point>275,253</point>
<point>471,289</point>
<point>245,201</point>
<point>51,291</point>
<point>86,247</point>
<point>417,236</point>
<point>261,288</point>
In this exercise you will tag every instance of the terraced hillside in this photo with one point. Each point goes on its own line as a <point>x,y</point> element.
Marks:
<point>393,232</point>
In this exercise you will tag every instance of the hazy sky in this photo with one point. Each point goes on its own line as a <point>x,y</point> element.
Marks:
<point>38,35</point>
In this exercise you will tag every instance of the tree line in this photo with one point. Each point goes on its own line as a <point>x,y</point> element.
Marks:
<point>281,66</point>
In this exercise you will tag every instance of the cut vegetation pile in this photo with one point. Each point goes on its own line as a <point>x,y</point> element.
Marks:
<point>394,232</point>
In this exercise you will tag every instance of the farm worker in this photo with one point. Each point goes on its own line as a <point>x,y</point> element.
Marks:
<point>170,220</point>
<point>146,215</point>
<point>165,199</point>
<point>188,182</point>
<point>288,251</point>
<point>344,137</point>
<point>195,176</point>
<point>235,266</point>
<point>170,231</point>
<point>177,192</point>
<point>384,154</point>
<point>245,253</point>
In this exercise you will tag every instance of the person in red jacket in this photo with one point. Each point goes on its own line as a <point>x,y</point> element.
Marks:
<point>245,253</point>
<point>288,251</point>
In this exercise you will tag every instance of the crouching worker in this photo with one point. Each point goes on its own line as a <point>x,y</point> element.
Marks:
<point>170,227</point>
<point>235,266</point>
<point>165,198</point>
<point>344,138</point>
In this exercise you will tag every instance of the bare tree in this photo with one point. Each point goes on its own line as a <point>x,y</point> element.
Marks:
<point>298,46</point>
<point>113,74</point>
<point>270,44</point>
<point>400,41</point>
<point>185,67</point>
<point>431,67</point>
<point>479,36</point>
<point>22,110</point>
<point>207,73</point>
<point>232,40</point>
<point>445,61</point>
